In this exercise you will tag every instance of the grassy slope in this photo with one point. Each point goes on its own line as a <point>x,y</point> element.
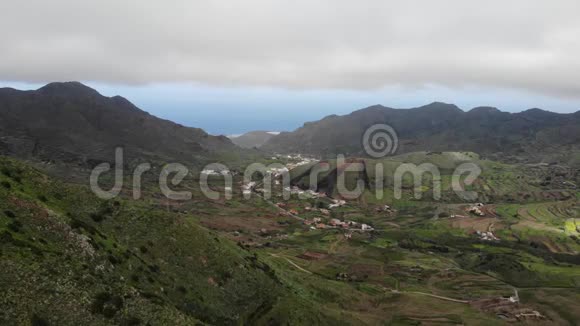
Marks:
<point>67,258</point>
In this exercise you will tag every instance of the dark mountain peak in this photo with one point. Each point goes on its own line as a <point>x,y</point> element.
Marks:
<point>484,110</point>
<point>435,127</point>
<point>440,106</point>
<point>376,106</point>
<point>43,124</point>
<point>9,91</point>
<point>373,109</point>
<point>119,99</point>
<point>538,113</point>
<point>71,88</point>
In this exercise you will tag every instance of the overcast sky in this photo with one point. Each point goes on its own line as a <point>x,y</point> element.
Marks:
<point>510,53</point>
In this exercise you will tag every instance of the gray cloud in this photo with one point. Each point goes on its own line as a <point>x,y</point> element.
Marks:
<point>532,45</point>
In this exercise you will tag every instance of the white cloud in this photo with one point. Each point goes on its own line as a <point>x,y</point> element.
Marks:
<point>532,45</point>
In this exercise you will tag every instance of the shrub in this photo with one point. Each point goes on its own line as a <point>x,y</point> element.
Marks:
<point>6,172</point>
<point>113,260</point>
<point>6,236</point>
<point>6,184</point>
<point>15,226</point>
<point>38,321</point>
<point>154,268</point>
<point>105,209</point>
<point>97,217</point>
<point>75,224</point>
<point>131,321</point>
<point>107,304</point>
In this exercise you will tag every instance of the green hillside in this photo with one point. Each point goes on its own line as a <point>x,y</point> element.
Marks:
<point>67,258</point>
<point>532,136</point>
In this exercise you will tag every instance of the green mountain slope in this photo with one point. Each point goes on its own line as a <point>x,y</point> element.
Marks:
<point>72,123</point>
<point>67,258</point>
<point>533,134</point>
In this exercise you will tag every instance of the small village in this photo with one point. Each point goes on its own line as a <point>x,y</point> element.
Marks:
<point>326,214</point>
<point>334,223</point>
<point>324,222</point>
<point>216,172</point>
<point>294,160</point>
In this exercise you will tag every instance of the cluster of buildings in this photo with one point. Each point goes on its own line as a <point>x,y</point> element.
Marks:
<point>336,203</point>
<point>385,208</point>
<point>334,223</point>
<point>277,172</point>
<point>305,193</point>
<point>216,172</point>
<point>508,308</point>
<point>247,188</point>
<point>476,209</point>
<point>297,159</point>
<point>530,314</point>
<point>486,235</point>
<point>301,162</point>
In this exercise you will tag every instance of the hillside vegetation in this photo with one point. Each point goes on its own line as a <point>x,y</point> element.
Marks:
<point>72,123</point>
<point>534,135</point>
<point>68,258</point>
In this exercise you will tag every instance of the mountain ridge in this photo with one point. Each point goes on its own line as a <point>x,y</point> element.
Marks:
<point>71,122</point>
<point>437,126</point>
